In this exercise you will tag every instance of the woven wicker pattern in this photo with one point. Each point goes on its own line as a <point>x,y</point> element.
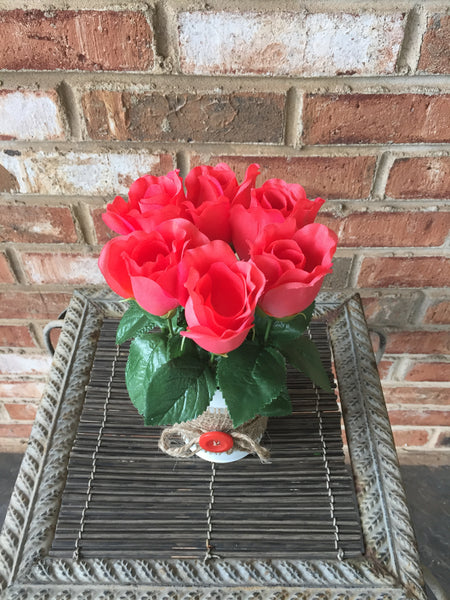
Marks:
<point>123,497</point>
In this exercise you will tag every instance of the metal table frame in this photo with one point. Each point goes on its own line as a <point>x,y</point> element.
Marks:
<point>389,569</point>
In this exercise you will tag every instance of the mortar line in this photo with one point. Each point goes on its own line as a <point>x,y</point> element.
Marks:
<point>293,118</point>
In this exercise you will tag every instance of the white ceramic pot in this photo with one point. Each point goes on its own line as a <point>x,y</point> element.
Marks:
<point>217,404</point>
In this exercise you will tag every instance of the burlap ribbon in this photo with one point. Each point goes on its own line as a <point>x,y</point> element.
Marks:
<point>246,437</point>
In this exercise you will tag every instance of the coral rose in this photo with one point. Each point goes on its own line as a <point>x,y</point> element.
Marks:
<point>152,200</point>
<point>146,266</point>
<point>208,194</point>
<point>294,263</point>
<point>274,202</point>
<point>223,293</point>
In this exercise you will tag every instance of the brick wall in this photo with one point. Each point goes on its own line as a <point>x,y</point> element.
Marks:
<point>353,103</point>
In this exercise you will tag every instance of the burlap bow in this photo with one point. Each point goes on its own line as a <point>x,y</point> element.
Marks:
<point>245,437</point>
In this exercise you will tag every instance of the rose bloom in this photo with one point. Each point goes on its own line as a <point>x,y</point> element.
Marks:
<point>208,194</point>
<point>151,200</point>
<point>223,293</point>
<point>274,202</point>
<point>146,266</point>
<point>294,262</point>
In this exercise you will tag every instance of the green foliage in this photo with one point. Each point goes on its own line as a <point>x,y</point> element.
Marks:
<point>171,379</point>
<point>136,321</point>
<point>303,354</point>
<point>250,377</point>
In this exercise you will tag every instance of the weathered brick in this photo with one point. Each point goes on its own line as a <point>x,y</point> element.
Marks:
<point>419,177</point>
<point>328,177</point>
<point>21,389</point>
<point>435,50</point>
<point>237,117</point>
<point>438,313</point>
<point>429,371</point>
<point>16,335</point>
<point>417,395</point>
<point>391,309</point>
<point>24,364</point>
<point>384,229</point>
<point>32,305</point>
<point>289,43</point>
<point>419,416</point>
<point>6,275</point>
<point>338,279</point>
<point>61,267</point>
<point>8,181</point>
<point>418,342</point>
<point>411,437</point>
<point>15,430</point>
<point>85,40</point>
<point>40,224</point>
<point>376,118</point>
<point>393,271</point>
<point>88,174</point>
<point>21,411</point>
<point>30,115</point>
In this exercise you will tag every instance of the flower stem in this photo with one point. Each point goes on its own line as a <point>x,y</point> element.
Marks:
<point>267,332</point>
<point>170,325</point>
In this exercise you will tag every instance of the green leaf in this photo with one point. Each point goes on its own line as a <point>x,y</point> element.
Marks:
<point>303,354</point>
<point>279,406</point>
<point>194,401</point>
<point>250,377</point>
<point>168,384</point>
<point>134,321</point>
<point>147,353</point>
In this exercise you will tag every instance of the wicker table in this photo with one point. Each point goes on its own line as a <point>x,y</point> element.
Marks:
<point>98,512</point>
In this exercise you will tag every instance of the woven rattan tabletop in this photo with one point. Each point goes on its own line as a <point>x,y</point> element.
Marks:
<point>99,512</point>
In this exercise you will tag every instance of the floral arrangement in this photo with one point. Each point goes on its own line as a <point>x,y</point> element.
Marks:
<point>221,279</point>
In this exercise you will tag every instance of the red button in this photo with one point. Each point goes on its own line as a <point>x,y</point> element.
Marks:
<point>216,441</point>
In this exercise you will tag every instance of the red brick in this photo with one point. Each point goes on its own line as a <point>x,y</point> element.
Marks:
<point>438,313</point>
<point>435,50</point>
<point>14,430</point>
<point>328,177</point>
<point>61,267</point>
<point>443,440</point>
<point>85,40</point>
<point>15,336</point>
<point>423,416</point>
<point>21,389</point>
<point>32,305</point>
<point>103,233</point>
<point>237,117</point>
<point>393,271</point>
<point>8,181</point>
<point>385,229</point>
<point>43,120</point>
<point>40,224</point>
<point>384,367</point>
<point>417,395</point>
<point>411,437</point>
<point>6,275</point>
<point>420,177</point>
<point>21,412</point>
<point>418,342</point>
<point>429,371</point>
<point>376,119</point>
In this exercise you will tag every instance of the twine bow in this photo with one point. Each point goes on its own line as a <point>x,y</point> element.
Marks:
<point>245,437</point>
